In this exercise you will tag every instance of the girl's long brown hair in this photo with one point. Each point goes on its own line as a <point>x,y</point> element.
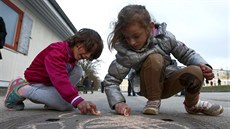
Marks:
<point>129,15</point>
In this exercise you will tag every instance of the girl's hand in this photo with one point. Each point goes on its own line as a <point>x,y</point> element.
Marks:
<point>87,107</point>
<point>123,108</point>
<point>207,72</point>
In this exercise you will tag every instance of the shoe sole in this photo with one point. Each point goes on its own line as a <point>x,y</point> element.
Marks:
<point>150,112</point>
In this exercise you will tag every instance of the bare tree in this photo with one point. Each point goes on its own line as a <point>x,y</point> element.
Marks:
<point>90,69</point>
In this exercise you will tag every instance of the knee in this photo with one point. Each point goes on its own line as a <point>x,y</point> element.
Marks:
<point>154,60</point>
<point>196,71</point>
<point>192,79</point>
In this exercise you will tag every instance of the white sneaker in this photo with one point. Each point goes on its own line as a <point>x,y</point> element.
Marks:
<point>152,107</point>
<point>206,108</point>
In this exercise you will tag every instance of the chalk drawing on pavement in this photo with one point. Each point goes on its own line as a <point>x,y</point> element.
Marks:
<point>115,121</point>
<point>133,122</point>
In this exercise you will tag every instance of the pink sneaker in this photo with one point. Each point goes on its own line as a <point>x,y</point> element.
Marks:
<point>13,101</point>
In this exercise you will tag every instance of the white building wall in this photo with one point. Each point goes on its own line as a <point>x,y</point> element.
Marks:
<point>13,63</point>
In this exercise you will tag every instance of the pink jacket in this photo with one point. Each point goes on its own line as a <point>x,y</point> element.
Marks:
<point>49,68</point>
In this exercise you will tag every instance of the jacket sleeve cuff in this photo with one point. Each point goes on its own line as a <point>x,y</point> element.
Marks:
<point>209,65</point>
<point>114,96</point>
<point>76,101</point>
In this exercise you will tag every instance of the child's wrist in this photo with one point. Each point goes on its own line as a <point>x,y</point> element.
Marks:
<point>77,100</point>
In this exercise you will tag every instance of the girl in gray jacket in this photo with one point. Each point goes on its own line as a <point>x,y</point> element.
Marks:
<point>145,47</point>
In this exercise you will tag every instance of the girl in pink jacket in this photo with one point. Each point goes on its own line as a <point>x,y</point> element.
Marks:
<point>53,74</point>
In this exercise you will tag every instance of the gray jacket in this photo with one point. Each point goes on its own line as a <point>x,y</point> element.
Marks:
<point>163,43</point>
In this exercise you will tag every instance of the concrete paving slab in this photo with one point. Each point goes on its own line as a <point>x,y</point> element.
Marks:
<point>172,115</point>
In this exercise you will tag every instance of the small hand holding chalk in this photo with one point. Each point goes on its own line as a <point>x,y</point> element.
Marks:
<point>96,112</point>
<point>127,111</point>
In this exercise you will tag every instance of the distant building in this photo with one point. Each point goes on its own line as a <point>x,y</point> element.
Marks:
<point>124,85</point>
<point>223,75</point>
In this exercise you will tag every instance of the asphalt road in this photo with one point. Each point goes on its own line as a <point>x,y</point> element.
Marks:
<point>172,115</point>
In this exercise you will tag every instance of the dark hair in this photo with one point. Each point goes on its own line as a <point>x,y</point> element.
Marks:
<point>90,39</point>
<point>129,15</point>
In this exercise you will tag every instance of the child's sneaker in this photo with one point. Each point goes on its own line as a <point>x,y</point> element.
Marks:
<point>13,101</point>
<point>206,108</point>
<point>152,107</point>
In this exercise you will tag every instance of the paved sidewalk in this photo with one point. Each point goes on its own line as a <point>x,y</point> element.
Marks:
<point>172,115</point>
